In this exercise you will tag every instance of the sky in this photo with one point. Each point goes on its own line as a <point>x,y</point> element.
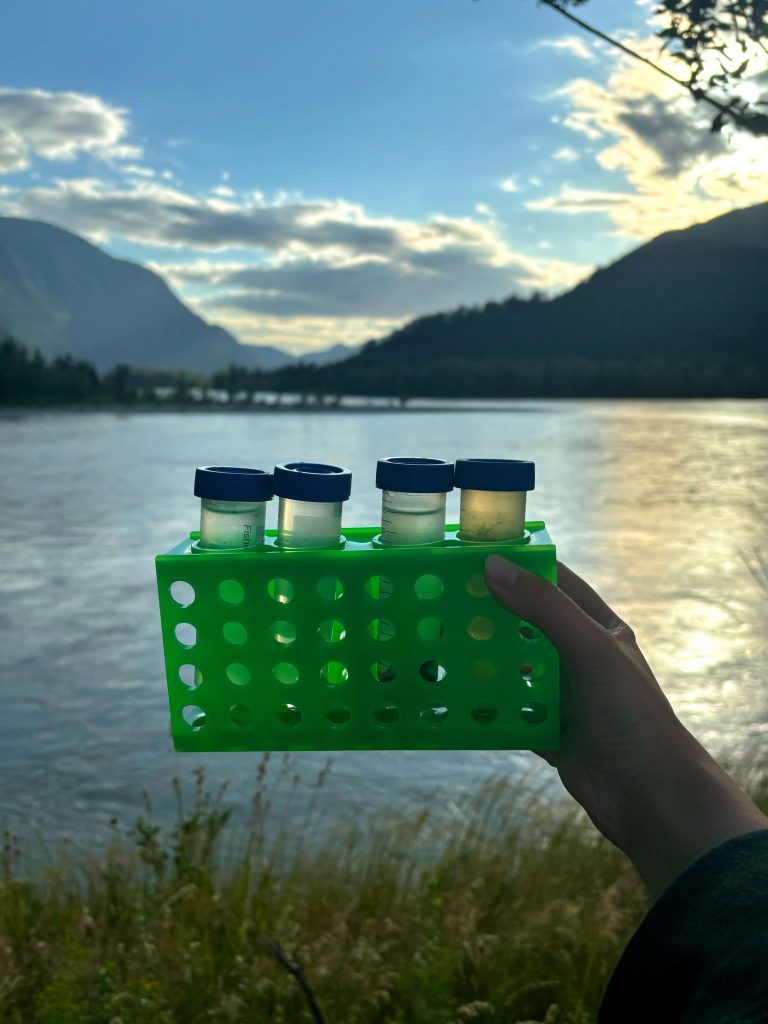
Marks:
<point>308,173</point>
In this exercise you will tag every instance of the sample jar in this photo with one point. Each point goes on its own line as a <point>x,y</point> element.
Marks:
<point>233,506</point>
<point>493,495</point>
<point>413,499</point>
<point>311,495</point>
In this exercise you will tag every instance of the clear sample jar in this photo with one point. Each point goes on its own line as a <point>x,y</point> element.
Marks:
<point>493,493</point>
<point>311,497</point>
<point>233,506</point>
<point>413,499</point>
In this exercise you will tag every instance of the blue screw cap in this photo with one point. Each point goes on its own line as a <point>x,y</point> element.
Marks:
<point>230,483</point>
<point>312,481</point>
<point>414,476</point>
<point>495,474</point>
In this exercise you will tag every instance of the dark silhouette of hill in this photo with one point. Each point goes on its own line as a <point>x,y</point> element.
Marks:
<point>63,296</point>
<point>684,313</point>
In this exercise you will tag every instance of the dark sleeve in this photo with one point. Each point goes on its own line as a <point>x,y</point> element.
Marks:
<point>700,955</point>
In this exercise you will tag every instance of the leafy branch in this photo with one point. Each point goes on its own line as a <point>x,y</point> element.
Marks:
<point>703,35</point>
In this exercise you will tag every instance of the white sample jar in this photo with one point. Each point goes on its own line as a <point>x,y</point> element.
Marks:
<point>493,497</point>
<point>233,506</point>
<point>413,494</point>
<point>311,498</point>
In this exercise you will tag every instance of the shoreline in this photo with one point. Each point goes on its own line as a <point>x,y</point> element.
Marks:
<point>447,405</point>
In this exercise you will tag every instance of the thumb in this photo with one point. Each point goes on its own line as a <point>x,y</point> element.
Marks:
<point>571,630</point>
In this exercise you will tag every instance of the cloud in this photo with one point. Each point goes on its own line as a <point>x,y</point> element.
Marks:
<point>566,154</point>
<point>575,200</point>
<point>138,171</point>
<point>162,215</point>
<point>575,46</point>
<point>652,133</point>
<point>59,126</point>
<point>334,231</point>
<point>419,283</point>
<point>509,185</point>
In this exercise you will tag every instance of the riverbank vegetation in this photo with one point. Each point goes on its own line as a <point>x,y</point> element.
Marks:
<point>504,908</point>
<point>27,379</point>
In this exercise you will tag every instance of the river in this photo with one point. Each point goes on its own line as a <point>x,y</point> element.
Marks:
<point>662,506</point>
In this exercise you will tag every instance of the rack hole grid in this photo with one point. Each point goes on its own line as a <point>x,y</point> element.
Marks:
<point>361,647</point>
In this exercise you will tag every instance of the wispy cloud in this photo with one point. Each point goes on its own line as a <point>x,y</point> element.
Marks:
<point>567,154</point>
<point>574,46</point>
<point>509,185</point>
<point>581,200</point>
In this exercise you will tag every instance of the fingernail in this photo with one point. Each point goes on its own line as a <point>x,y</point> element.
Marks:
<point>501,572</point>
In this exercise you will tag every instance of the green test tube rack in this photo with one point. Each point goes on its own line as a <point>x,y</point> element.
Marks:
<point>360,647</point>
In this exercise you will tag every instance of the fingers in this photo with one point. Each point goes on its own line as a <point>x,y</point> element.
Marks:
<point>575,633</point>
<point>586,598</point>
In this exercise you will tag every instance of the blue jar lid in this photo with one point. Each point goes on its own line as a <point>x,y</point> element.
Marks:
<point>414,476</point>
<point>495,474</point>
<point>230,483</point>
<point>312,481</point>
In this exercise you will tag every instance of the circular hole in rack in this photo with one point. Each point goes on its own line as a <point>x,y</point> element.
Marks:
<point>182,593</point>
<point>531,670</point>
<point>387,715</point>
<point>428,587</point>
<point>331,631</point>
<point>330,588</point>
<point>476,586</point>
<point>534,712</point>
<point>240,714</point>
<point>191,676</point>
<point>234,633</point>
<point>481,628</point>
<point>528,632</point>
<point>434,714</point>
<point>283,632</point>
<point>280,590</point>
<point>334,673</point>
<point>285,672</point>
<point>231,592</point>
<point>430,630</point>
<point>432,671</point>
<point>379,587</point>
<point>194,717</point>
<point>238,674</point>
<point>338,716</point>
<point>381,630</point>
<point>289,714</point>
<point>383,672</point>
<point>186,634</point>
<point>483,670</point>
<point>484,714</point>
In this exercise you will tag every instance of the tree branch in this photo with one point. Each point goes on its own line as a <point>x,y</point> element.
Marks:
<point>751,121</point>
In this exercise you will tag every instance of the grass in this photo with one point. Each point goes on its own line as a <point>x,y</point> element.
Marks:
<point>515,910</point>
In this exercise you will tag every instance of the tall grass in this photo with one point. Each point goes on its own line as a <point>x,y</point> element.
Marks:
<point>512,910</point>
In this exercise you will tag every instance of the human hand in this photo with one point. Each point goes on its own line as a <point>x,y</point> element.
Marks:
<point>642,778</point>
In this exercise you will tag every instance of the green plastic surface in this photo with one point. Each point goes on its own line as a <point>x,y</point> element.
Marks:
<point>362,647</point>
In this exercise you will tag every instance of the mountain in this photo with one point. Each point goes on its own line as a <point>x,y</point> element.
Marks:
<point>63,295</point>
<point>686,312</point>
<point>326,356</point>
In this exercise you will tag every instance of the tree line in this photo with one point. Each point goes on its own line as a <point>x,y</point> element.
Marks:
<point>27,378</point>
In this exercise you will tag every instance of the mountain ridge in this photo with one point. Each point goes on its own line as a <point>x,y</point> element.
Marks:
<point>698,293</point>
<point>63,295</point>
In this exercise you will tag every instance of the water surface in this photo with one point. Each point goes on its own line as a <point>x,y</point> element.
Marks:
<point>661,505</point>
